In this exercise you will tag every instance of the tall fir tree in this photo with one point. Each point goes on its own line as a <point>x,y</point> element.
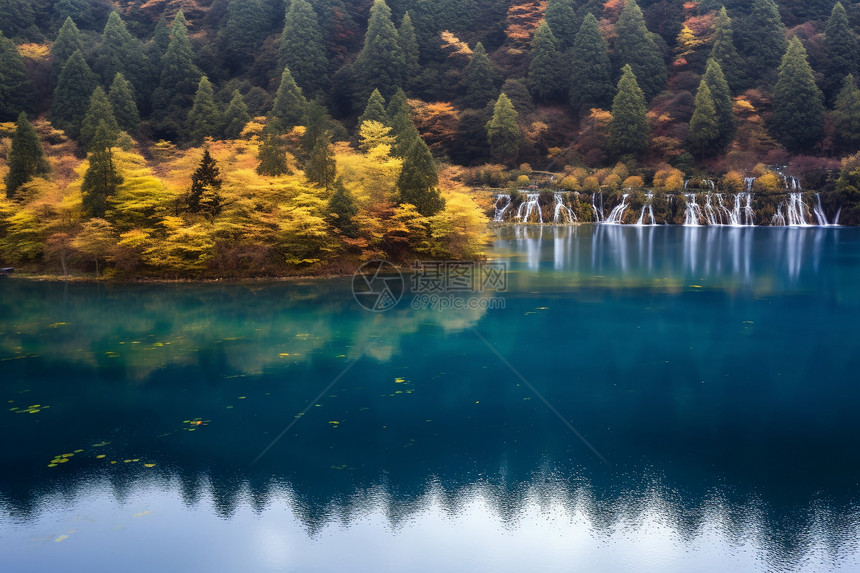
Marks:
<point>419,180</point>
<point>544,79</point>
<point>121,96</point>
<point>101,179</point>
<point>289,106</point>
<point>503,130</point>
<point>67,42</point>
<point>72,95</point>
<point>381,62</point>
<point>154,51</point>
<point>321,167</point>
<point>409,46</point>
<point>635,46</point>
<point>317,122</point>
<point>17,16</point>
<point>204,195</point>
<point>721,95</point>
<point>303,48</point>
<point>846,116</point>
<point>375,109</point>
<point>760,38</point>
<point>561,17</point>
<point>724,53</point>
<point>26,158</point>
<point>479,80</point>
<point>403,128</point>
<point>591,73</point>
<point>179,80</point>
<point>119,52</point>
<point>798,104</point>
<point>628,129</point>
<point>704,126</point>
<point>15,90</point>
<point>272,156</point>
<point>81,10</point>
<point>840,46</point>
<point>204,120</point>
<point>236,117</point>
<point>99,113</point>
<point>343,208</point>
<point>243,32</point>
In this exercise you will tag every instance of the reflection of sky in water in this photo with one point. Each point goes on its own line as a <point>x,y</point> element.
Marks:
<point>713,368</point>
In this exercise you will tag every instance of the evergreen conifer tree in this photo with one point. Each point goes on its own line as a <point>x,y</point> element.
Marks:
<point>179,79</point>
<point>561,17</point>
<point>302,47</point>
<point>399,114</point>
<point>721,96</point>
<point>503,131</point>
<point>17,16</point>
<point>236,117</point>
<point>101,179</point>
<point>761,40</point>
<point>418,181</point>
<point>628,130</point>
<point>272,156</point>
<point>289,107</point>
<point>635,47</point>
<point>375,109</point>
<point>15,89</point>
<point>321,167</point>
<point>846,116</point>
<point>72,95</point>
<point>26,159</point>
<point>205,196</point>
<point>519,95</point>
<point>119,52</point>
<point>121,96</point>
<point>544,78</point>
<point>798,104</point>
<point>204,120</point>
<point>381,62</point>
<point>724,53</point>
<point>317,123</point>
<point>243,31</point>
<point>591,73</point>
<point>68,41</point>
<point>840,46</point>
<point>479,79</point>
<point>704,128</point>
<point>99,113</point>
<point>343,208</point>
<point>409,46</point>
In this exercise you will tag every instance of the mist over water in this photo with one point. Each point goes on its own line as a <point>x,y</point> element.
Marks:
<point>713,368</point>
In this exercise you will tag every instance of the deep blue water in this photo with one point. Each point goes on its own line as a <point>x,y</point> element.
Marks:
<point>656,399</point>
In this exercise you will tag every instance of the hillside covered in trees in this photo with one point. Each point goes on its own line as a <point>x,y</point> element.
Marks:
<point>177,138</point>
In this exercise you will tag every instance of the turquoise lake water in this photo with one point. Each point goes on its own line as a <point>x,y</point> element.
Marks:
<point>648,399</point>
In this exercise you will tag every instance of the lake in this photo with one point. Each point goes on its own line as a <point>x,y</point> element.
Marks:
<point>628,398</point>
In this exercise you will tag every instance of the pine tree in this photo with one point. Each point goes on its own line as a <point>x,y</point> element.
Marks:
<point>375,109</point>
<point>99,113</point>
<point>635,47</point>
<point>321,167</point>
<point>317,122</point>
<point>479,80</point>
<point>289,107</point>
<point>381,62</point>
<point>561,17</point>
<point>721,95</point>
<point>302,47</point>
<point>503,131</point>
<point>72,95</point>
<point>179,79</point>
<point>80,10</point>
<point>704,128</point>
<point>628,130</point>
<point>544,80</point>
<point>236,117</point>
<point>761,40</point>
<point>418,181</point>
<point>204,120</point>
<point>409,46</point>
<point>68,41</point>
<point>204,196</point>
<point>519,95</point>
<point>846,116</point>
<point>272,156</point>
<point>724,53</point>
<point>119,52</point>
<point>101,179</point>
<point>121,96</point>
<point>17,16</point>
<point>243,31</point>
<point>798,104</point>
<point>15,89</point>
<point>26,159</point>
<point>591,73</point>
<point>402,127</point>
<point>840,47</point>
<point>342,208</point>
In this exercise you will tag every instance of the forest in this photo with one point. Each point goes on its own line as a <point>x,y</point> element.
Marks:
<point>241,138</point>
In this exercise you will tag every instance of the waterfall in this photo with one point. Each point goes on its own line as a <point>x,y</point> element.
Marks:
<point>710,214</point>
<point>749,181</point>
<point>836,218</point>
<point>797,211</point>
<point>686,182</point>
<point>500,212</point>
<point>598,213</point>
<point>693,212</point>
<point>742,213</point>
<point>562,211</point>
<point>792,183</point>
<point>616,213</point>
<point>778,220</point>
<point>819,211</point>
<point>650,208</point>
<point>530,205</point>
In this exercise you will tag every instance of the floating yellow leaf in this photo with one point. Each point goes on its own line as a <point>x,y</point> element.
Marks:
<point>141,514</point>
<point>149,465</point>
<point>100,456</point>
<point>52,465</point>
<point>61,538</point>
